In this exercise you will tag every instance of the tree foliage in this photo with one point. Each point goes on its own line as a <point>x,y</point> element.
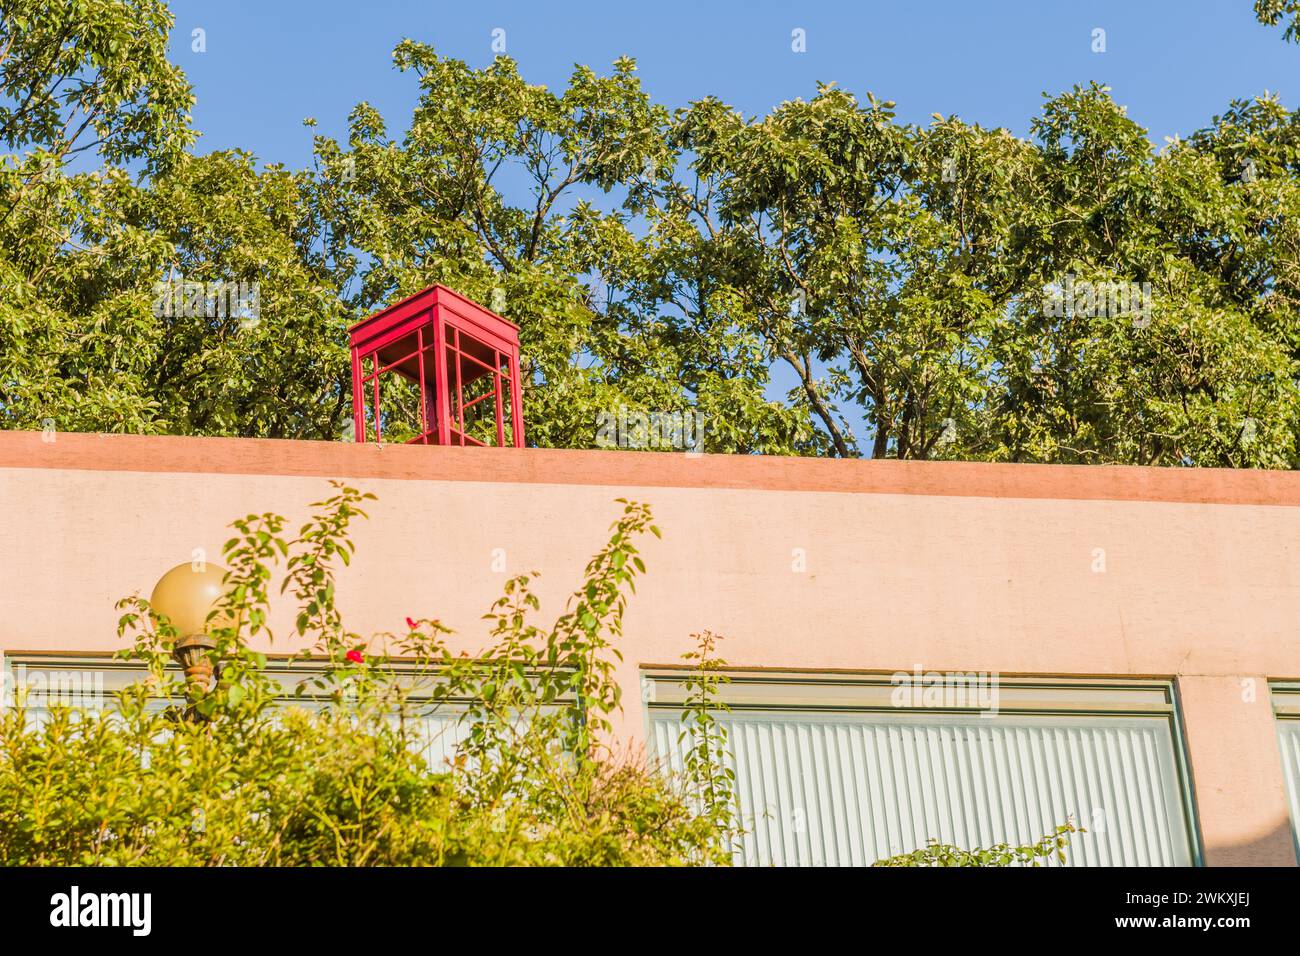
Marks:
<point>1273,12</point>
<point>900,275</point>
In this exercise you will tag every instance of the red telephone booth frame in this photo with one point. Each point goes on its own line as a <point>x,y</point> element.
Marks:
<point>442,341</point>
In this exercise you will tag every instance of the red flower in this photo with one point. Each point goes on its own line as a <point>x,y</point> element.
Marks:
<point>410,624</point>
<point>356,657</point>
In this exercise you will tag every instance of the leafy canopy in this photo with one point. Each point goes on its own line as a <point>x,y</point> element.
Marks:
<point>901,276</point>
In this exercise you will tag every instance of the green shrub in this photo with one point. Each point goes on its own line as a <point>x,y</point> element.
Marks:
<point>239,778</point>
<point>1051,846</point>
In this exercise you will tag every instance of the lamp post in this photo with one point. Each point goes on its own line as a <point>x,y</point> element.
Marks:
<point>187,594</point>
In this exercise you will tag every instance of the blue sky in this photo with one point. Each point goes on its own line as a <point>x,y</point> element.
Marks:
<point>1174,63</point>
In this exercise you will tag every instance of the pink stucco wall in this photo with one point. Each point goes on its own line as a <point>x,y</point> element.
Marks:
<point>874,566</point>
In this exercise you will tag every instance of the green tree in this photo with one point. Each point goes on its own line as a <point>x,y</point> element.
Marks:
<point>1208,376</point>
<point>907,272</point>
<point>79,82</point>
<point>1273,12</point>
<point>903,276</point>
<point>97,334</point>
<point>837,266</point>
<point>84,345</point>
<point>512,193</point>
<point>88,76</point>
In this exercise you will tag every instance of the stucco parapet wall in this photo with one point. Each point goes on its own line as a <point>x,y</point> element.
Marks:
<point>801,563</point>
<point>235,456</point>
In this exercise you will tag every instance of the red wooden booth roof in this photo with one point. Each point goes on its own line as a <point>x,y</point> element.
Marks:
<point>370,332</point>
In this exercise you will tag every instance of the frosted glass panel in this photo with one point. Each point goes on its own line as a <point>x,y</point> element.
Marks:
<point>435,737</point>
<point>851,788</point>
